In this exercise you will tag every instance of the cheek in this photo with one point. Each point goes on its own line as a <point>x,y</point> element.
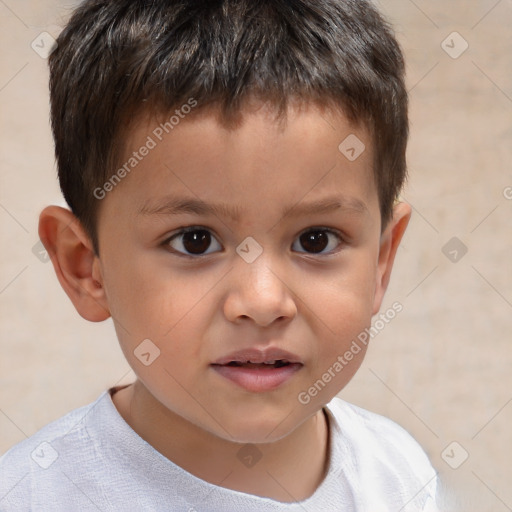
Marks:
<point>344,316</point>
<point>172,309</point>
<point>341,307</point>
<point>148,296</point>
<point>343,300</point>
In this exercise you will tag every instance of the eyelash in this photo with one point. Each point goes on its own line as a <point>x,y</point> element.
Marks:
<point>192,229</point>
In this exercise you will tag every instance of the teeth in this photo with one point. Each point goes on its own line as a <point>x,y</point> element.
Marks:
<point>279,362</point>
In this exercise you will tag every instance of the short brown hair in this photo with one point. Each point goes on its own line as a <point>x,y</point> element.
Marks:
<point>116,59</point>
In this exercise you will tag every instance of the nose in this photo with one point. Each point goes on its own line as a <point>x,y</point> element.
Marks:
<point>258,293</point>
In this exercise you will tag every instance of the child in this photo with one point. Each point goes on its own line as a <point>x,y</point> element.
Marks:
<point>253,130</point>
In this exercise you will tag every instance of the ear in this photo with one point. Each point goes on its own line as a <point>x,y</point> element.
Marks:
<point>75,263</point>
<point>389,242</point>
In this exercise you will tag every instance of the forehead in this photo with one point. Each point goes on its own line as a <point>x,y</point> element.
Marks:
<point>301,119</point>
<point>251,163</point>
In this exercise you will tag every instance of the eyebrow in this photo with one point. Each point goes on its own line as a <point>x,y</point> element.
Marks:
<point>172,205</point>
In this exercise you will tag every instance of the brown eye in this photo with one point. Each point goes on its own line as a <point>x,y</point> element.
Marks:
<point>193,242</point>
<point>196,242</point>
<point>315,241</point>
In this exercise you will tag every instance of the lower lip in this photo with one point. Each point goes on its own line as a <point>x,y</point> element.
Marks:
<point>258,379</point>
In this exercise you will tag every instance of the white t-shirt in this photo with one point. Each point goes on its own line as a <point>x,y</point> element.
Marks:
<point>92,460</point>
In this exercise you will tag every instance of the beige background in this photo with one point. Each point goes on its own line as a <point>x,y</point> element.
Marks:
<point>442,368</point>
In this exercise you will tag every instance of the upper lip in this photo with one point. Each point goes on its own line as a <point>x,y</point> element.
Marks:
<point>255,355</point>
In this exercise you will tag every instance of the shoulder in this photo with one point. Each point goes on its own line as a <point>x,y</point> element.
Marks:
<point>357,417</point>
<point>384,452</point>
<point>379,433</point>
<point>50,433</point>
<point>30,463</point>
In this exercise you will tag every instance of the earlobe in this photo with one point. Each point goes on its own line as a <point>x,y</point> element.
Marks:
<point>74,261</point>
<point>389,243</point>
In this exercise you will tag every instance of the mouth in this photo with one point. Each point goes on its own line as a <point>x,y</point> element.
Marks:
<point>258,371</point>
<point>279,363</point>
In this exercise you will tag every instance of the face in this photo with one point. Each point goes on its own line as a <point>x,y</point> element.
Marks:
<point>223,251</point>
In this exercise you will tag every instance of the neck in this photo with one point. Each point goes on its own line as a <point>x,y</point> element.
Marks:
<point>288,470</point>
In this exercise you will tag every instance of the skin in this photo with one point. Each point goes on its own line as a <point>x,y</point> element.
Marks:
<point>197,309</point>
